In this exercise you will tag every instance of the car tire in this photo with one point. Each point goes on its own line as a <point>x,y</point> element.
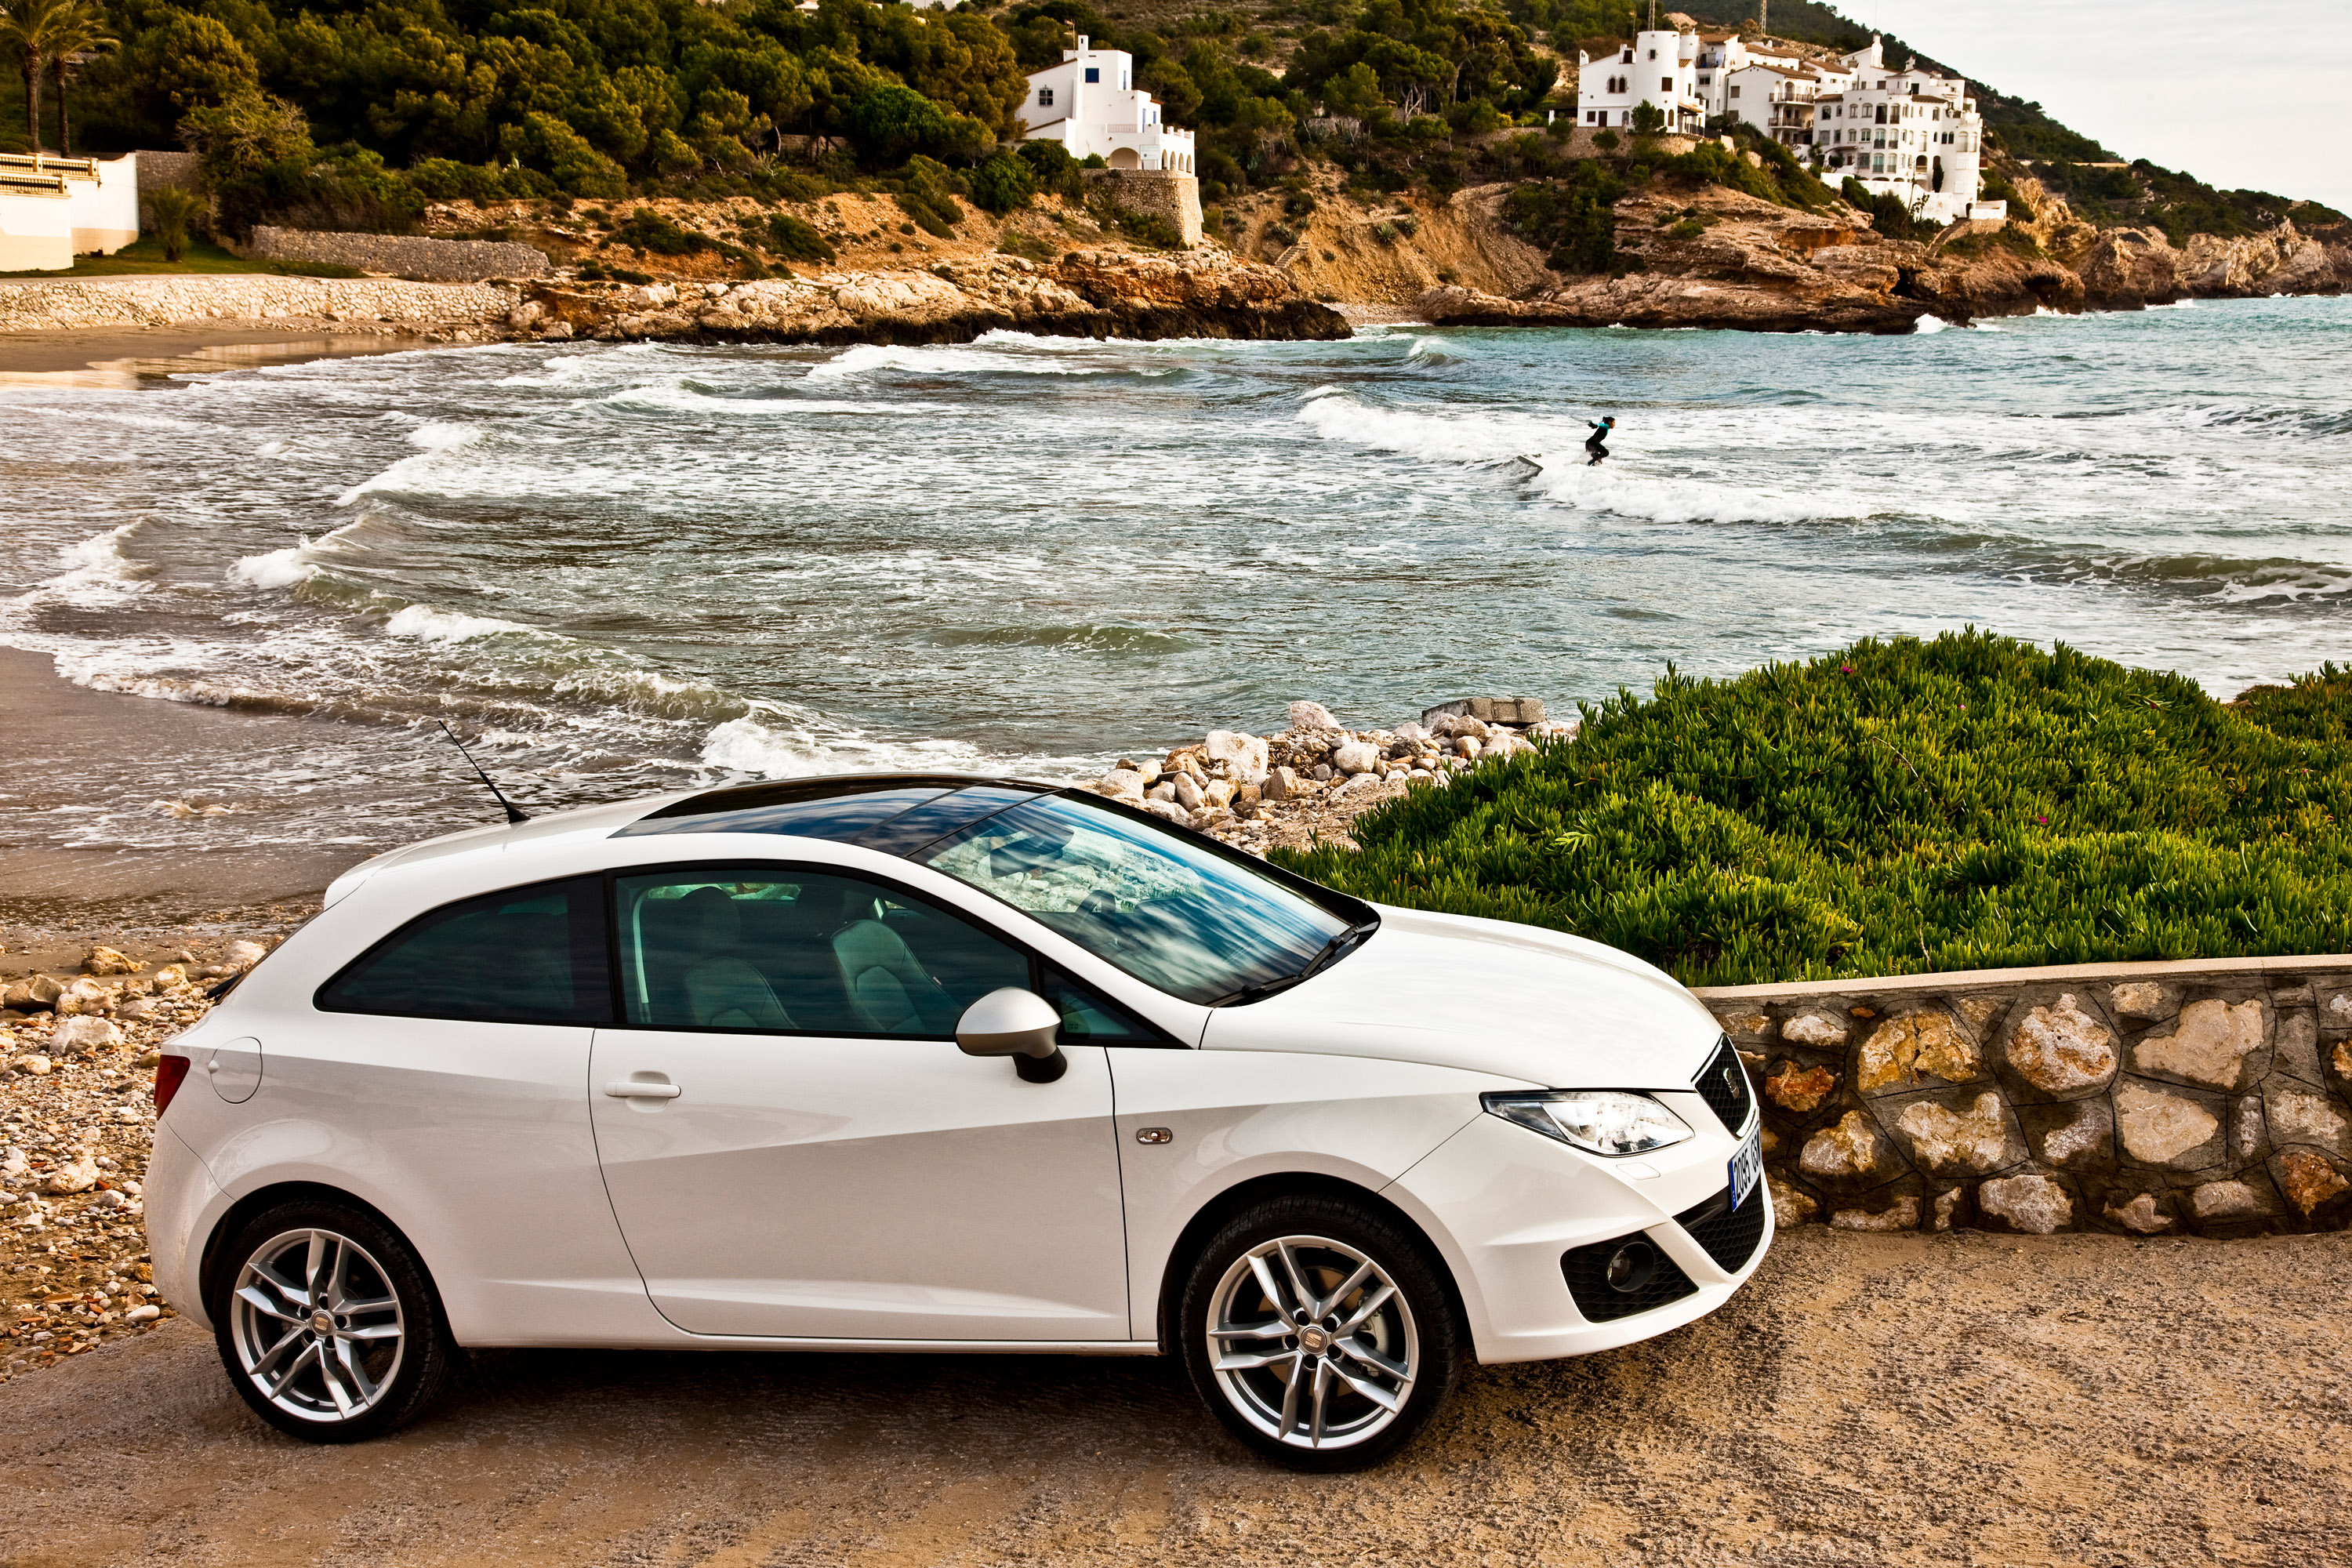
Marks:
<point>1321,1332</point>
<point>328,1324</point>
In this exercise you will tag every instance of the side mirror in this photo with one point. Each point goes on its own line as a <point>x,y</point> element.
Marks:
<point>1019,1023</point>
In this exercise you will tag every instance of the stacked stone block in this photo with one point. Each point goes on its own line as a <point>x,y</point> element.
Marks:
<point>2166,1098</point>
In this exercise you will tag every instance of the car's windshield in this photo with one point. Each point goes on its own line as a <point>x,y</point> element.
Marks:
<point>1172,913</point>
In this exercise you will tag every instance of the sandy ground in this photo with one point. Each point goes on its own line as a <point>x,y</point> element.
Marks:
<point>1958,1399</point>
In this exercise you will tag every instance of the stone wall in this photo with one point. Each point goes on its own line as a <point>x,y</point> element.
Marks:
<point>158,169</point>
<point>403,255</point>
<point>1155,193</point>
<point>155,302</point>
<point>2206,1097</point>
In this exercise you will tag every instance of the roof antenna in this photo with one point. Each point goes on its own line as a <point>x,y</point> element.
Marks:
<point>512,814</point>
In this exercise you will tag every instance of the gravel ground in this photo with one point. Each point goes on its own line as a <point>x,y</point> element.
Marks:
<point>1899,1399</point>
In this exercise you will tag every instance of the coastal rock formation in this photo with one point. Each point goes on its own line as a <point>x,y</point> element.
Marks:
<point>35,304</point>
<point>1086,293</point>
<point>1756,267</point>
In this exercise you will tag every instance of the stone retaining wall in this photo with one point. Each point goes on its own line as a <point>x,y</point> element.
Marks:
<point>1154,192</point>
<point>404,256</point>
<point>39,304</point>
<point>2206,1096</point>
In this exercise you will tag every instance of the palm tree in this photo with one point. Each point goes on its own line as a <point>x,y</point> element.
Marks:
<point>24,28</point>
<point>78,31</point>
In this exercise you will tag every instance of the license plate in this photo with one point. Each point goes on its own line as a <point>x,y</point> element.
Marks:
<point>1747,1166</point>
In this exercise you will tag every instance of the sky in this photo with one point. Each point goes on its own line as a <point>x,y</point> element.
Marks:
<point>2182,83</point>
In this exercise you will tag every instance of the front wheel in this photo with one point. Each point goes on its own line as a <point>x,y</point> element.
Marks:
<point>1320,1332</point>
<point>327,1323</point>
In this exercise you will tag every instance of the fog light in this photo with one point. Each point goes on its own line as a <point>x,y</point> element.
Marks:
<point>1631,1267</point>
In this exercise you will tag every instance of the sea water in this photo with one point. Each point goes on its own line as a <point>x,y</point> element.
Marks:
<point>628,568</point>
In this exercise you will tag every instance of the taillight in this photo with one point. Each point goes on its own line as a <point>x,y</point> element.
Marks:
<point>170,1073</point>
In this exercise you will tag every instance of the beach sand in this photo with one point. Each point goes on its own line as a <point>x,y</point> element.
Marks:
<point>71,747</point>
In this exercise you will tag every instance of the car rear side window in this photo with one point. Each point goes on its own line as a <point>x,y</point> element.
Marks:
<point>528,955</point>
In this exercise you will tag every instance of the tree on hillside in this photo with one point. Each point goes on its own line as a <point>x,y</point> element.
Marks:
<point>31,28</point>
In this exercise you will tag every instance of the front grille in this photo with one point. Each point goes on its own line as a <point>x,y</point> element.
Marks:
<point>1728,1236</point>
<point>1723,1084</point>
<point>1587,1268</point>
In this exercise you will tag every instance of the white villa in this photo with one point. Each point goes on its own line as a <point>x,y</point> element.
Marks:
<point>1090,104</point>
<point>1914,132</point>
<point>1660,68</point>
<point>53,209</point>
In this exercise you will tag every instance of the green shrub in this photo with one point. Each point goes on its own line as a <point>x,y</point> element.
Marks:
<point>1574,219</point>
<point>1901,807</point>
<point>1003,184</point>
<point>657,235</point>
<point>1028,246</point>
<point>796,239</point>
<point>177,212</point>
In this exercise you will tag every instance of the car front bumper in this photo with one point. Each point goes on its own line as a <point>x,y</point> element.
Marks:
<point>1505,1204</point>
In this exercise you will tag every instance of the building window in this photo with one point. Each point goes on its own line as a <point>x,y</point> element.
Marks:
<point>1735,90</point>
<point>1094,74</point>
<point>1044,97</point>
<point>1665,84</point>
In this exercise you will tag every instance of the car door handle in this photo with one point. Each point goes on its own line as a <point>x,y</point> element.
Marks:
<point>634,1090</point>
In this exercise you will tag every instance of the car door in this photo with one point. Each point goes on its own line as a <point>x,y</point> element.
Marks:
<point>794,1145</point>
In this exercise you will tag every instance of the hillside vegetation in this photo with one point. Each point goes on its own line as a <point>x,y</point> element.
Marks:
<point>339,113</point>
<point>1902,807</point>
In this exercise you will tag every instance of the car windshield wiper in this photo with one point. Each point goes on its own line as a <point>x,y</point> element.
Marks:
<point>1338,947</point>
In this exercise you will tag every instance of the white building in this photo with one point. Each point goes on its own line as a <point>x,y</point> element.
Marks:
<point>53,209</point>
<point>1090,104</point>
<point>1659,69</point>
<point>1914,132</point>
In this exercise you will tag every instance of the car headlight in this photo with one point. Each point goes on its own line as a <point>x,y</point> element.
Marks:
<point>1598,1121</point>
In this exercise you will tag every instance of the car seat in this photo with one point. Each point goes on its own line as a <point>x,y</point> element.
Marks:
<point>720,990</point>
<point>888,988</point>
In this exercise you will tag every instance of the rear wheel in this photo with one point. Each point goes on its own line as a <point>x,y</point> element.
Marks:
<point>1320,1332</point>
<point>327,1323</point>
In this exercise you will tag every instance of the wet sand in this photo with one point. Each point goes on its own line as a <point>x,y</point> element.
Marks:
<point>128,357</point>
<point>70,747</point>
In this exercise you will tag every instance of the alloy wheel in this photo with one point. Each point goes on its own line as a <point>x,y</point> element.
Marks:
<point>1312,1342</point>
<point>317,1326</point>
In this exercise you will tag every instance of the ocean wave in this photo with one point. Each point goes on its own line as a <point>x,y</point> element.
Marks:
<point>436,436</point>
<point>1928,324</point>
<point>774,742</point>
<point>1088,639</point>
<point>968,359</point>
<point>683,395</point>
<point>426,624</point>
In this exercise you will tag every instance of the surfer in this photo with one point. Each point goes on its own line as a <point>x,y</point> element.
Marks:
<point>1596,443</point>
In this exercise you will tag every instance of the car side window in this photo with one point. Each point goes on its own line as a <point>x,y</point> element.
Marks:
<point>526,955</point>
<point>1090,1018</point>
<point>767,948</point>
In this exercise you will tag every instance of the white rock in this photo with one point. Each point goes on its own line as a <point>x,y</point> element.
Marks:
<point>244,955</point>
<point>1356,757</point>
<point>1245,755</point>
<point>1188,794</point>
<point>1311,716</point>
<point>1125,783</point>
<point>35,1064</point>
<point>73,1036</point>
<point>146,1314</point>
<point>77,1177</point>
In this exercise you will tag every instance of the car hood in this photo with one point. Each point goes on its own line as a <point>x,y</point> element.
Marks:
<point>1539,1006</point>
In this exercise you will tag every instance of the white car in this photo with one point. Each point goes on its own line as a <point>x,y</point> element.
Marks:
<point>900,1063</point>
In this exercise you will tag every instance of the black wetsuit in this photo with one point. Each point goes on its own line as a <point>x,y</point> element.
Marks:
<point>1593,443</point>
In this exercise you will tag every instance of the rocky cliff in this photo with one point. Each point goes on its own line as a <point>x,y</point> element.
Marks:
<point>1720,258</point>
<point>1086,293</point>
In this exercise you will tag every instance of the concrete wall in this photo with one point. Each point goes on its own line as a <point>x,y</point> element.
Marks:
<point>53,209</point>
<point>404,256</point>
<point>1155,192</point>
<point>2206,1096</point>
